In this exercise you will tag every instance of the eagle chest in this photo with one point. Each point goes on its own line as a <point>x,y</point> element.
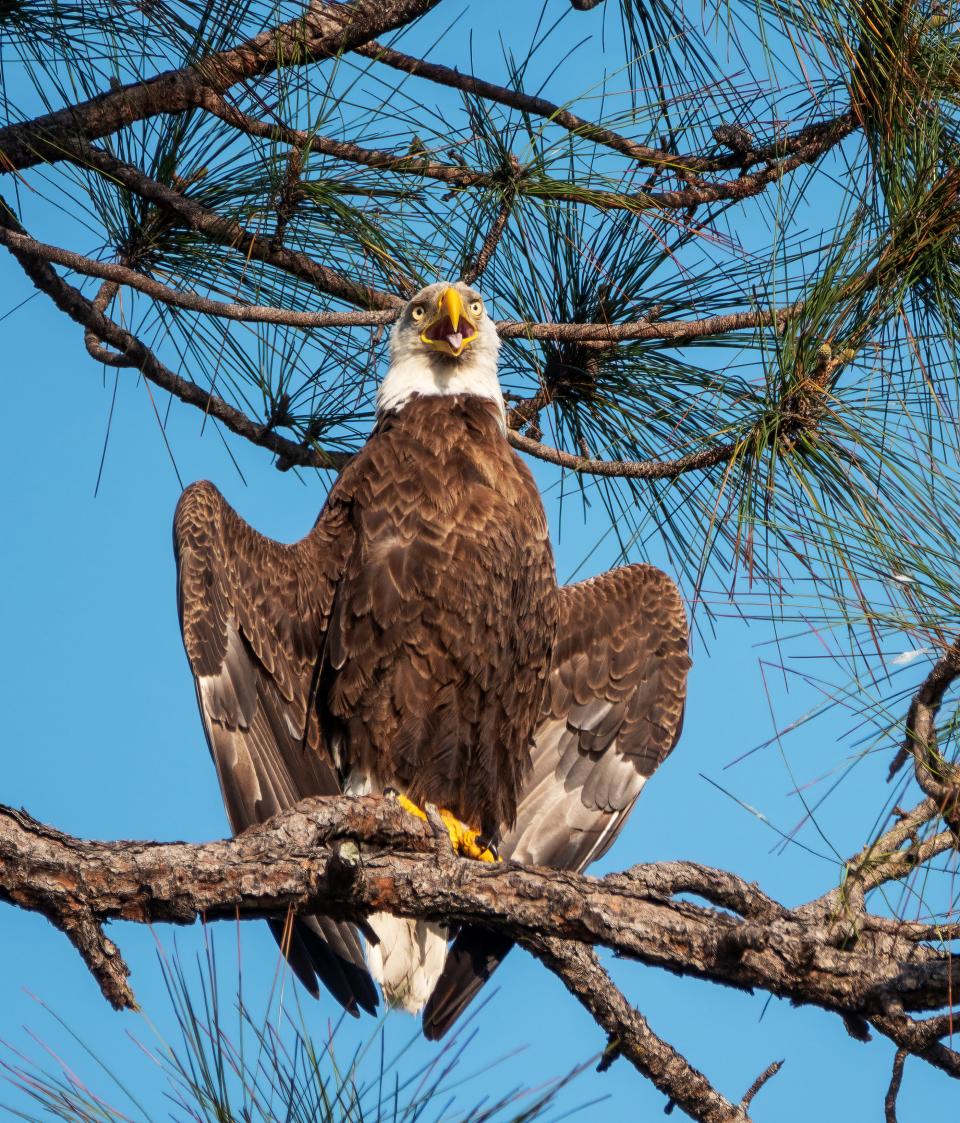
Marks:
<point>444,626</point>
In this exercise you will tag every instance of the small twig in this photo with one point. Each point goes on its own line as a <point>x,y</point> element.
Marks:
<point>495,233</point>
<point>768,1073</point>
<point>105,294</point>
<point>939,779</point>
<point>896,1077</point>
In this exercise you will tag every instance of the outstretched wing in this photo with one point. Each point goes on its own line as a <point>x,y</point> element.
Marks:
<point>612,711</point>
<point>254,614</point>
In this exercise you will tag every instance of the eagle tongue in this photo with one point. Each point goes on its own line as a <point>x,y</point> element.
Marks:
<point>455,338</point>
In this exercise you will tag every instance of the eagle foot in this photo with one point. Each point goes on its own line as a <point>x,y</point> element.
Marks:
<point>465,841</point>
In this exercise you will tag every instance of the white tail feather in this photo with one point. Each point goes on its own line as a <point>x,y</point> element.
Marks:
<point>408,960</point>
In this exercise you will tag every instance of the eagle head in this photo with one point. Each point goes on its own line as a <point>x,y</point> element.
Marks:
<point>443,342</point>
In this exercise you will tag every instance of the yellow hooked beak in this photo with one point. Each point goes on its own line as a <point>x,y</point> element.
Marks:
<point>451,330</point>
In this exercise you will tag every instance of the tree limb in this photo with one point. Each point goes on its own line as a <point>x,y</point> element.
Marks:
<point>741,937</point>
<point>324,31</point>
<point>703,458</point>
<point>629,1035</point>
<point>227,232</point>
<point>816,132</point>
<point>677,332</point>
<point>134,353</point>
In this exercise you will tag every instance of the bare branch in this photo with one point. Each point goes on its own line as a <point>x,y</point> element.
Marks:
<point>675,331</point>
<point>768,1074</point>
<point>105,294</point>
<point>937,777</point>
<point>896,1076</point>
<point>627,469</point>
<point>629,1035</point>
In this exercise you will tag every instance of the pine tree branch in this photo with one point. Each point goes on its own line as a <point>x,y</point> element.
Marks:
<point>818,133</point>
<point>629,1034</point>
<point>131,352</point>
<point>704,458</point>
<point>190,301</point>
<point>324,31</point>
<point>296,861</point>
<point>134,353</point>
<point>806,146</point>
<point>477,267</point>
<point>678,332</point>
<point>227,232</point>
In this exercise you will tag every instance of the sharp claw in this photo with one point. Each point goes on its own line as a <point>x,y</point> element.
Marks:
<point>489,845</point>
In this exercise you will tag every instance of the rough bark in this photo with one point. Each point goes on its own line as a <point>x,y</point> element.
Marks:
<point>349,857</point>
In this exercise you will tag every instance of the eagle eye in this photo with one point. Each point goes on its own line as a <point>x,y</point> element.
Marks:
<point>476,307</point>
<point>417,312</point>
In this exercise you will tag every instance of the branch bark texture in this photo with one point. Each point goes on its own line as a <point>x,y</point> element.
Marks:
<point>738,936</point>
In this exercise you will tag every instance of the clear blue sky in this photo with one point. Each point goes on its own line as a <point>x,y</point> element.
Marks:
<point>102,739</point>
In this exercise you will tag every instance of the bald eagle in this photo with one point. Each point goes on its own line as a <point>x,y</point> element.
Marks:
<point>416,641</point>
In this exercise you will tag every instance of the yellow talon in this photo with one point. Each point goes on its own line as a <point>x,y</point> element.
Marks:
<point>409,805</point>
<point>465,841</point>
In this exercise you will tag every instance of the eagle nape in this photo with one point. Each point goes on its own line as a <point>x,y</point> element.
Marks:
<point>416,639</point>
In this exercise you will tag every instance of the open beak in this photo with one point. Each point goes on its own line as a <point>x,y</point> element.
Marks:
<point>451,330</point>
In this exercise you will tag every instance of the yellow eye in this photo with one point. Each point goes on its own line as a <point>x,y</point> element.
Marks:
<point>417,312</point>
<point>476,307</point>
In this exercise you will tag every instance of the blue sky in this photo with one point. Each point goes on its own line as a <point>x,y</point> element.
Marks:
<point>102,739</point>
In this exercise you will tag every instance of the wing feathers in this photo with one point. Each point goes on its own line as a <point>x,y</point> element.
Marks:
<point>254,615</point>
<point>612,711</point>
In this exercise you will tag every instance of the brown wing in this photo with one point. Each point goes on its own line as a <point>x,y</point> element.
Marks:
<point>612,711</point>
<point>254,614</point>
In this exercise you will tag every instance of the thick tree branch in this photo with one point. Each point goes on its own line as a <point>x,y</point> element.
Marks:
<point>741,938</point>
<point>324,31</point>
